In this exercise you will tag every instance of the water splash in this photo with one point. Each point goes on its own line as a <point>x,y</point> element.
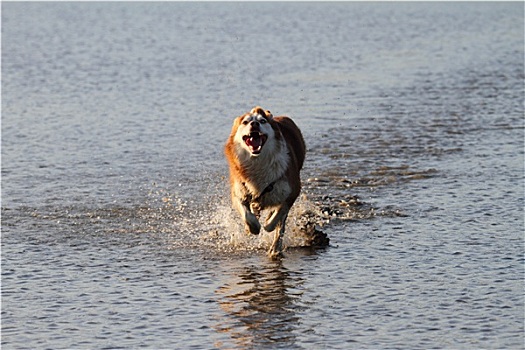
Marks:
<point>214,224</point>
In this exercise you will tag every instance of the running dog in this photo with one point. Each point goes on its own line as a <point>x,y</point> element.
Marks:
<point>265,155</point>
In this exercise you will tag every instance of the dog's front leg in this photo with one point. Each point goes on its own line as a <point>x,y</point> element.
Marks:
<point>251,224</point>
<point>276,217</point>
<point>241,202</point>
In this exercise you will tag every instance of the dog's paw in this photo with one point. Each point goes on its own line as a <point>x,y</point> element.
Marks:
<point>253,227</point>
<point>269,227</point>
<point>276,250</point>
<point>251,224</point>
<point>275,254</point>
<point>271,223</point>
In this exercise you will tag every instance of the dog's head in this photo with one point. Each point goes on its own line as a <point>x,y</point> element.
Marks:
<point>254,131</point>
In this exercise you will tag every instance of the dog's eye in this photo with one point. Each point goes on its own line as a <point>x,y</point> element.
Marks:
<point>245,122</point>
<point>263,121</point>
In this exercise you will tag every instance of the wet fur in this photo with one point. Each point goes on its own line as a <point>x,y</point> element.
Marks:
<point>279,162</point>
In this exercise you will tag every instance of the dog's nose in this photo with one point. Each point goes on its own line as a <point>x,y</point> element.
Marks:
<point>254,123</point>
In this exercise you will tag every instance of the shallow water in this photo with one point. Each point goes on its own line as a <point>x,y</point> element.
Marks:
<point>116,225</point>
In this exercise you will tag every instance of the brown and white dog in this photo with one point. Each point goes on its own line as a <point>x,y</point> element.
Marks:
<point>265,155</point>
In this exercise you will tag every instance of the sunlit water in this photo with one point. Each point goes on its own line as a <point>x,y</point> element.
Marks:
<point>116,226</point>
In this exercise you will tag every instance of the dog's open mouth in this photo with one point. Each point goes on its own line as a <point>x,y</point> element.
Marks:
<point>255,141</point>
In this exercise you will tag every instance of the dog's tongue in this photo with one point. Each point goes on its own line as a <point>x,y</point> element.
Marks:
<point>254,142</point>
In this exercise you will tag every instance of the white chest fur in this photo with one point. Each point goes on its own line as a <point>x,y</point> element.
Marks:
<point>269,167</point>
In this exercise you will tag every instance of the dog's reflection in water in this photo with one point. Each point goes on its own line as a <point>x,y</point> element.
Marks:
<point>261,302</point>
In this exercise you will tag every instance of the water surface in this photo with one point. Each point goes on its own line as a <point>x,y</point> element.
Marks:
<point>116,225</point>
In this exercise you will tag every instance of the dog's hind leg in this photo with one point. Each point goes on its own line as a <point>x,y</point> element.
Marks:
<point>277,222</point>
<point>277,246</point>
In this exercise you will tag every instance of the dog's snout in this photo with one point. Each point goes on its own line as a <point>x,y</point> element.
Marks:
<point>254,123</point>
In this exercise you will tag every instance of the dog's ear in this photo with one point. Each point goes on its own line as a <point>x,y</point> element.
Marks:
<point>269,115</point>
<point>236,122</point>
